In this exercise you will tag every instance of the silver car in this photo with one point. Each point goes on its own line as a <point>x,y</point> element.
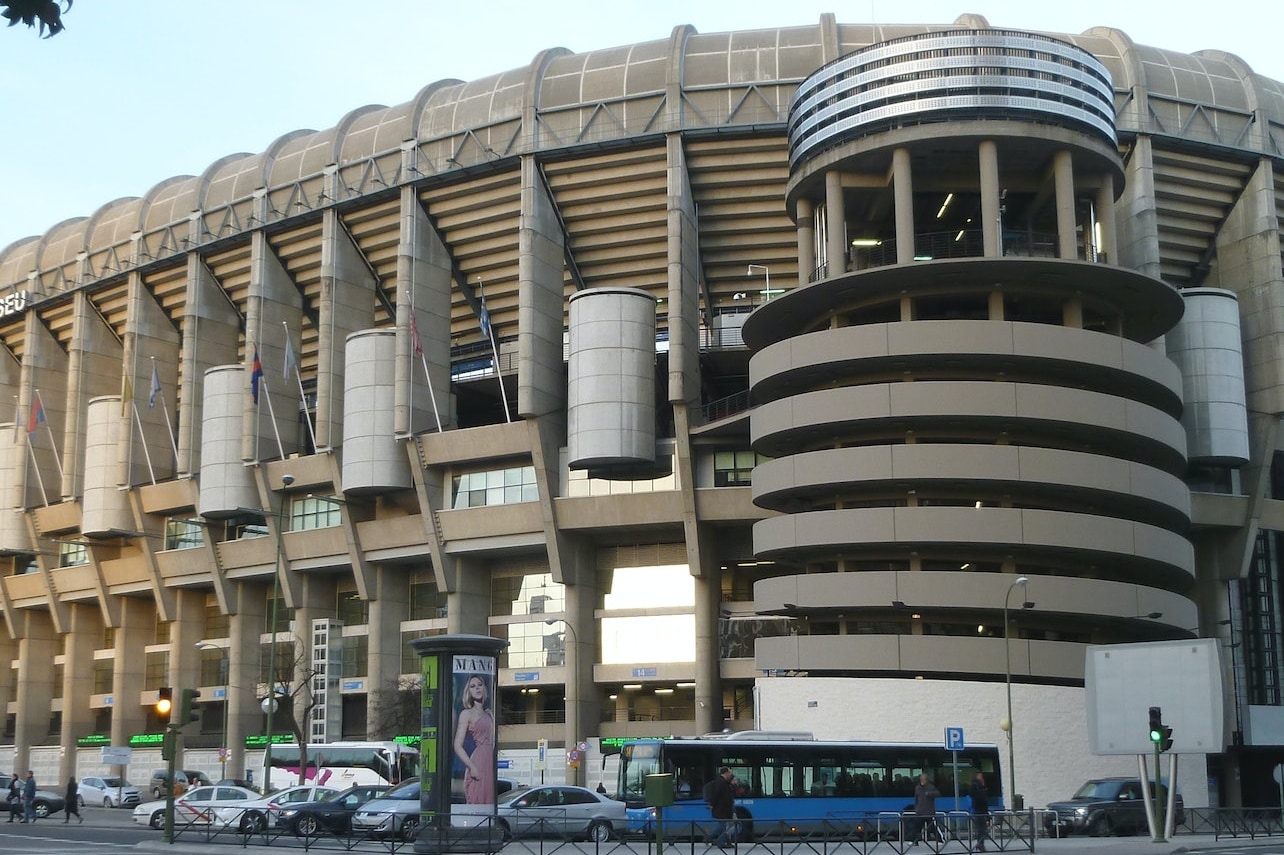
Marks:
<point>394,814</point>
<point>550,811</point>
<point>108,791</point>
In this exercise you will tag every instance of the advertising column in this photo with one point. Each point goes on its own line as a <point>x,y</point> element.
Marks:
<point>458,729</point>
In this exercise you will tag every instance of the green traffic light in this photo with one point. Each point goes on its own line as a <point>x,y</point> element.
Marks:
<point>1156,736</point>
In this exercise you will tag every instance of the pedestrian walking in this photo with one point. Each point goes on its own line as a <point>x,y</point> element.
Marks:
<point>980,810</point>
<point>29,797</point>
<point>722,805</point>
<point>15,797</point>
<point>925,795</point>
<point>72,802</point>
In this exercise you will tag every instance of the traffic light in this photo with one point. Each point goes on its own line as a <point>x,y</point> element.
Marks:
<point>1160,734</point>
<point>1156,725</point>
<point>164,704</point>
<point>186,711</point>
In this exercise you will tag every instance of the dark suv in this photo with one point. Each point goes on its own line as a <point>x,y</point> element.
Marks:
<point>1107,806</point>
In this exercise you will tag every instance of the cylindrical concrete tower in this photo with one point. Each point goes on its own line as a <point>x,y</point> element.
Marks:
<point>1206,346</point>
<point>961,392</point>
<point>227,487</point>
<point>611,369</point>
<point>105,508</point>
<point>372,458</point>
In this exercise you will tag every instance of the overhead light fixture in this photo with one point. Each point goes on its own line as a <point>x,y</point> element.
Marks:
<point>632,687</point>
<point>664,691</point>
<point>916,616</point>
<point>612,697</point>
<point>866,242</point>
<point>922,258</point>
<point>965,565</point>
<point>948,199</point>
<point>958,237</point>
<point>686,685</point>
<point>739,295</point>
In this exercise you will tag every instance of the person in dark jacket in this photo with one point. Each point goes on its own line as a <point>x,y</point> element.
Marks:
<point>15,797</point>
<point>722,805</point>
<point>980,810</point>
<point>72,799</point>
<point>925,794</point>
<point>29,797</point>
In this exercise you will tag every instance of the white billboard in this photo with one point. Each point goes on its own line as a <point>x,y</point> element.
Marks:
<point>1183,678</point>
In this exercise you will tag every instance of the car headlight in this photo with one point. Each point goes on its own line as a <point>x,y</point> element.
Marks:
<point>286,813</point>
<point>1080,811</point>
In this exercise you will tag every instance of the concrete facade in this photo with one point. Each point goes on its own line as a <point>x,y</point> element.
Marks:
<point>958,376</point>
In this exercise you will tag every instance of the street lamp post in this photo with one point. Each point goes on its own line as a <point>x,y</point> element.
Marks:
<point>270,703</point>
<point>224,668</point>
<point>1019,581</point>
<point>572,682</point>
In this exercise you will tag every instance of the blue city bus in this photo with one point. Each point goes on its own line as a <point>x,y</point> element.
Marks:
<point>791,783</point>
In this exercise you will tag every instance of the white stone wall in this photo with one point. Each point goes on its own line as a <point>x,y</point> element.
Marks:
<point>1051,731</point>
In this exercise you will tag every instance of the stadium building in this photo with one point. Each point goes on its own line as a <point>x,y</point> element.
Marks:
<point>702,370</point>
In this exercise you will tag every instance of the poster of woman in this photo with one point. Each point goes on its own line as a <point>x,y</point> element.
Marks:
<point>475,728</point>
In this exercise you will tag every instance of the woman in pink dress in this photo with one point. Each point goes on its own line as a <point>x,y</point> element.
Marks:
<point>476,720</point>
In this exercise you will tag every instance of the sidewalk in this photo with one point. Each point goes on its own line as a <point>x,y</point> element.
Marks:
<point>1141,845</point>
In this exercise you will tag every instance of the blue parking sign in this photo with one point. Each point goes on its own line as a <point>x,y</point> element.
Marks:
<point>954,739</point>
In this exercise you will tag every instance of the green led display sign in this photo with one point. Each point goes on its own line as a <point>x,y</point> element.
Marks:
<point>277,739</point>
<point>145,740</point>
<point>93,740</point>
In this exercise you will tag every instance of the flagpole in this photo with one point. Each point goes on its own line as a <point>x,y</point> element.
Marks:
<point>303,398</point>
<point>263,388</point>
<point>417,347</point>
<point>494,350</point>
<point>17,416</point>
<point>143,437</point>
<point>169,427</point>
<point>39,478</point>
<point>49,429</point>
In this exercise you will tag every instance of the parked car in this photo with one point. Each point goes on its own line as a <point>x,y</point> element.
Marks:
<point>159,785</point>
<point>45,803</point>
<point>393,814</point>
<point>110,791</point>
<point>199,806</point>
<point>396,812</point>
<point>554,811</point>
<point>330,815</point>
<point>1105,806</point>
<point>257,814</point>
<point>237,782</point>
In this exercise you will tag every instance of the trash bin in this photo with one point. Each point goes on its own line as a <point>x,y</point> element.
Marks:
<point>1018,801</point>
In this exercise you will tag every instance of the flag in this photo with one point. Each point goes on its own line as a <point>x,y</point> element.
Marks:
<point>156,388</point>
<point>256,374</point>
<point>37,417</point>
<point>290,361</point>
<point>415,343</point>
<point>484,318</point>
<point>126,394</point>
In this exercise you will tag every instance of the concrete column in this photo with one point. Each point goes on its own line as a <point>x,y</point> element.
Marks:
<point>213,331</point>
<point>319,600</point>
<point>1072,313</point>
<point>991,205</point>
<point>1105,207</point>
<point>37,643</point>
<point>245,715</point>
<point>150,340</point>
<point>683,250</point>
<point>274,306</point>
<point>1063,175</point>
<point>137,629</point>
<point>346,306</point>
<point>390,607</point>
<point>93,369</point>
<point>468,604</point>
<point>583,701</point>
<point>187,628</point>
<point>541,380</point>
<point>1137,230</point>
<point>708,688</point>
<point>86,629</point>
<point>804,214</point>
<point>424,285</point>
<point>903,196</point>
<point>835,231</point>
<point>45,369</point>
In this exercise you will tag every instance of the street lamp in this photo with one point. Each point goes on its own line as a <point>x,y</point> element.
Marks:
<point>572,682</point>
<point>766,271</point>
<point>224,667</point>
<point>1006,724</point>
<point>270,703</point>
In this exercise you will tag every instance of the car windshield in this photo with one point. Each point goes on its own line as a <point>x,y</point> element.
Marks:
<point>1098,790</point>
<point>116,782</point>
<point>410,789</point>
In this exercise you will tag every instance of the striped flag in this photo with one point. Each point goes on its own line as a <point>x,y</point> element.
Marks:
<point>484,318</point>
<point>256,375</point>
<point>37,417</point>
<point>415,343</point>
<point>156,388</point>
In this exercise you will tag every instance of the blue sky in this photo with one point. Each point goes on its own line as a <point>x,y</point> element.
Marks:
<point>137,91</point>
